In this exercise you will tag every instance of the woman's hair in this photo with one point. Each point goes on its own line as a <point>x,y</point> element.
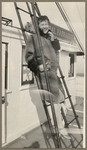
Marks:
<point>42,18</point>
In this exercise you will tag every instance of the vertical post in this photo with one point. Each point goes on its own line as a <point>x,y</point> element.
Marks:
<point>47,80</point>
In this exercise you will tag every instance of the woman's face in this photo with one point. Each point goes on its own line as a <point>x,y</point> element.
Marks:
<point>44,26</point>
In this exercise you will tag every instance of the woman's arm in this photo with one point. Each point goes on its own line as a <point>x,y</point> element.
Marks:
<point>30,55</point>
<point>56,45</point>
<point>54,41</point>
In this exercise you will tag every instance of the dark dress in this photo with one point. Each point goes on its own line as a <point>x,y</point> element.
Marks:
<point>34,59</point>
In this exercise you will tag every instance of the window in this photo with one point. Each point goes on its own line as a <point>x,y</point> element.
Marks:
<point>71,65</point>
<point>27,77</point>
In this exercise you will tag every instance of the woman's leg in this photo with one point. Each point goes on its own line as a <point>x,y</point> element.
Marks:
<point>59,117</point>
<point>60,123</point>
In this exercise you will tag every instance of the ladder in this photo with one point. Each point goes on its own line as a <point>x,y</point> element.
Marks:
<point>58,141</point>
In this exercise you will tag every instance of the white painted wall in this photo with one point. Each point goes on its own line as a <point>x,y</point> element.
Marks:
<point>80,82</point>
<point>80,65</point>
<point>24,110</point>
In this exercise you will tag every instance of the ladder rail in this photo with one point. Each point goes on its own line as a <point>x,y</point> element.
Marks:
<point>73,109</point>
<point>69,97</point>
<point>46,139</point>
<point>37,9</point>
<point>20,22</point>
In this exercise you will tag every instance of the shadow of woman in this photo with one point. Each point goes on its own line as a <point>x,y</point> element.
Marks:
<point>34,145</point>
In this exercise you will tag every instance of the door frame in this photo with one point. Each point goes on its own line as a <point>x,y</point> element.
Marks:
<point>4,97</point>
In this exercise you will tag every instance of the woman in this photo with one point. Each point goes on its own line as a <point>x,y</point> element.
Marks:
<point>33,57</point>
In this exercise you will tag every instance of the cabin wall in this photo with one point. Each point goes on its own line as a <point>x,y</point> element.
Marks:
<point>23,112</point>
<point>70,81</point>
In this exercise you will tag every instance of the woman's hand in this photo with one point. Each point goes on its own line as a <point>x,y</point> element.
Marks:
<point>41,68</point>
<point>51,36</point>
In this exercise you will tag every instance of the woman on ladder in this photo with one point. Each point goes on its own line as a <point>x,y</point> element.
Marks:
<point>50,47</point>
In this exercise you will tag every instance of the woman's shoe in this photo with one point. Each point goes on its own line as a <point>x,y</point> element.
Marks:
<point>64,134</point>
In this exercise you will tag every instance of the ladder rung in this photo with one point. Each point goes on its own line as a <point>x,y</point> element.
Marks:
<point>72,120</point>
<point>48,105</point>
<point>62,102</point>
<point>68,97</point>
<point>62,77</point>
<point>24,11</point>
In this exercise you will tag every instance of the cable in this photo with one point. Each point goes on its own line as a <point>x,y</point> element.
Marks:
<point>66,18</point>
<point>79,13</point>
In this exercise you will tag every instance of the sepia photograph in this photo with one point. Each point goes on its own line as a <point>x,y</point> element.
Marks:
<point>43,75</point>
